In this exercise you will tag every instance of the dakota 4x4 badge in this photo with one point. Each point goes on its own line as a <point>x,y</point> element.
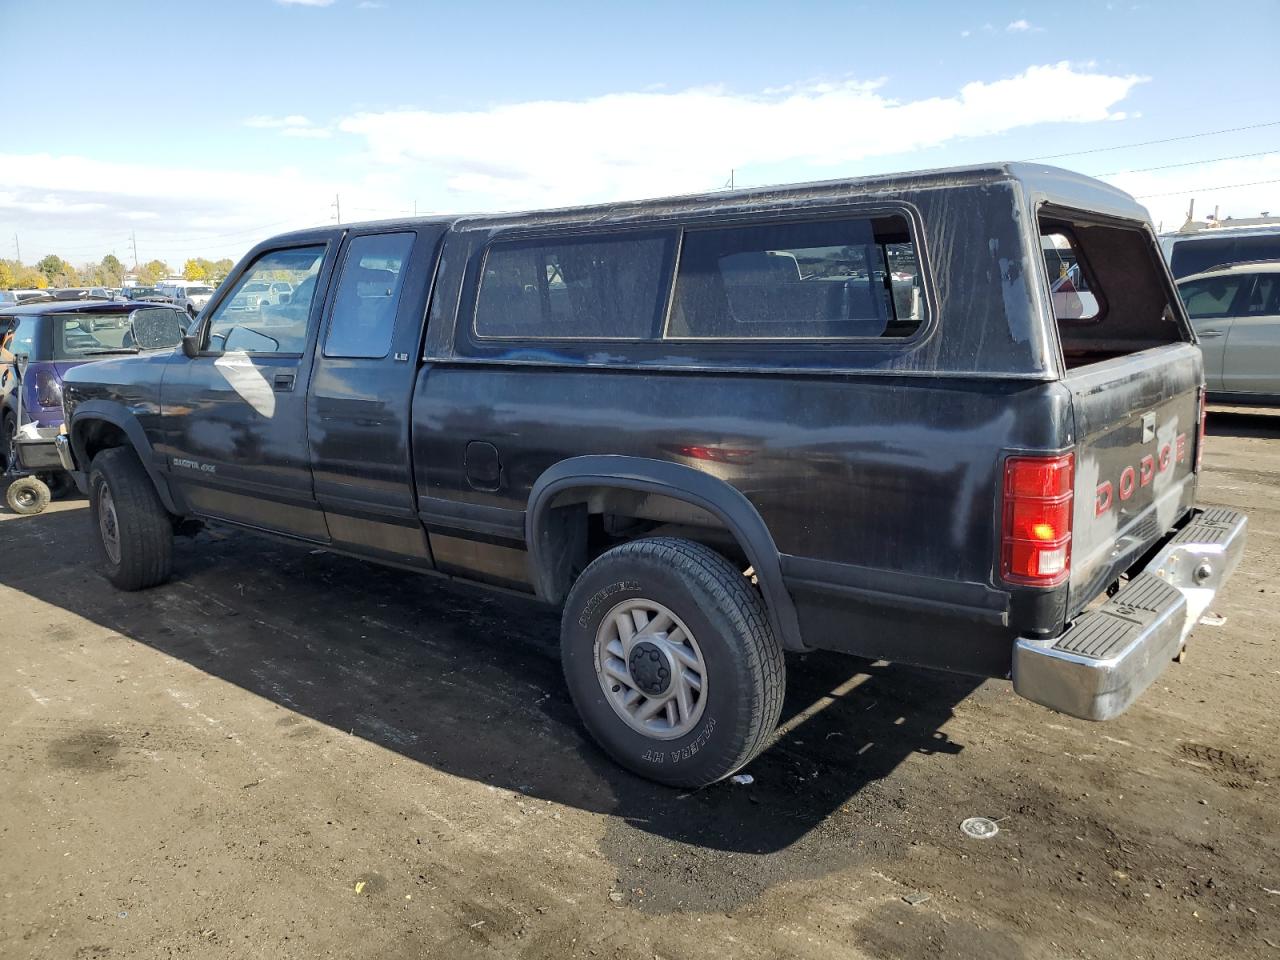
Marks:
<point>1141,475</point>
<point>194,465</point>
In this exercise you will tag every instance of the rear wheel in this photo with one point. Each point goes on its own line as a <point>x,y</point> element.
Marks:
<point>134,531</point>
<point>671,661</point>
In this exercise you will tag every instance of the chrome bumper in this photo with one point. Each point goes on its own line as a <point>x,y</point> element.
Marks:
<point>1111,654</point>
<point>62,443</point>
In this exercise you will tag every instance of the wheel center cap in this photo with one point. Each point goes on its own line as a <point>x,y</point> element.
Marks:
<point>649,668</point>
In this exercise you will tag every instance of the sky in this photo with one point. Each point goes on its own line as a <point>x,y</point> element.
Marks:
<point>197,135</point>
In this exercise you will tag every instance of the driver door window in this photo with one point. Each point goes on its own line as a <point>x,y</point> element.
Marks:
<point>269,308</point>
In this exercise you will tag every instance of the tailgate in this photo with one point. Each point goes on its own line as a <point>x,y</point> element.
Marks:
<point>1136,420</point>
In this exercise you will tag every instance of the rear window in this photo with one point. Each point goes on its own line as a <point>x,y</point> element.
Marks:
<point>829,279</point>
<point>1108,287</point>
<point>1202,254</point>
<point>84,334</point>
<point>590,288</point>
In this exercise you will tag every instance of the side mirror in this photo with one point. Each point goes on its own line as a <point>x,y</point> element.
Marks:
<point>191,345</point>
<point>285,298</point>
<point>152,328</point>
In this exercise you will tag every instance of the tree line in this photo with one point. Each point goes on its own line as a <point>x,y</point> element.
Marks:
<point>53,271</point>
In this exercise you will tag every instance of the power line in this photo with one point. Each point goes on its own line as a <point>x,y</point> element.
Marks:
<point>1150,143</point>
<point>1189,163</point>
<point>1221,186</point>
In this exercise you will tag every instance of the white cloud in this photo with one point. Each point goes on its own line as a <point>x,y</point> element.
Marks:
<point>1023,26</point>
<point>965,33</point>
<point>647,144</point>
<point>528,154</point>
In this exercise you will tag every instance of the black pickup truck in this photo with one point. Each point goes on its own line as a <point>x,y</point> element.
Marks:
<point>950,418</point>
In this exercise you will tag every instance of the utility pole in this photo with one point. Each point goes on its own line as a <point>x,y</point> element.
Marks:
<point>133,239</point>
<point>337,206</point>
<point>17,248</point>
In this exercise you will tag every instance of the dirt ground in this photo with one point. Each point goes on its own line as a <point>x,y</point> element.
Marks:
<point>287,754</point>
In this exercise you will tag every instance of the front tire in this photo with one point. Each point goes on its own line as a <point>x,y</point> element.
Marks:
<point>671,661</point>
<point>134,531</point>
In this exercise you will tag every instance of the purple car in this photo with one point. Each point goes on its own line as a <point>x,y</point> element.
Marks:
<point>54,336</point>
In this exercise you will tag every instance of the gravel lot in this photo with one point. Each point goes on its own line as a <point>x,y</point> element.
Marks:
<point>286,754</point>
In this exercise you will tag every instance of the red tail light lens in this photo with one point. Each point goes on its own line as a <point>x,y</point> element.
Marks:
<point>1035,546</point>
<point>48,389</point>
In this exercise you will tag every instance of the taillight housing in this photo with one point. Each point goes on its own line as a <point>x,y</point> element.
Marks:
<point>48,389</point>
<point>1202,401</point>
<point>1035,540</point>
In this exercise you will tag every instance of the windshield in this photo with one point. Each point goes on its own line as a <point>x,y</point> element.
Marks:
<point>255,287</point>
<point>134,292</point>
<point>199,291</point>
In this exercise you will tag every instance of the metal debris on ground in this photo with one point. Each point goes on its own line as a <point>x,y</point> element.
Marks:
<point>915,899</point>
<point>979,828</point>
<point>1210,619</point>
<point>743,779</point>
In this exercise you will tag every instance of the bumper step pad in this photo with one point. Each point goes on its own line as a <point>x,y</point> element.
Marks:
<point>1106,631</point>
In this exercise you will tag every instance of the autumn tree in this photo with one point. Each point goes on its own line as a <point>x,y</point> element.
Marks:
<point>219,269</point>
<point>196,268</point>
<point>151,272</point>
<point>58,272</point>
<point>112,270</point>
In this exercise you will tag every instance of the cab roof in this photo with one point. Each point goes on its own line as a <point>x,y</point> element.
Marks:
<point>1041,184</point>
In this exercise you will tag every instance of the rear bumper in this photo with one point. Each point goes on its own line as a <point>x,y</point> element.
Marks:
<point>1112,653</point>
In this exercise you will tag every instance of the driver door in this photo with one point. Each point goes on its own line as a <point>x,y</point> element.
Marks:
<point>235,423</point>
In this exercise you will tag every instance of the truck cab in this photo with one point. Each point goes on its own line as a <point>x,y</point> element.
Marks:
<point>950,418</point>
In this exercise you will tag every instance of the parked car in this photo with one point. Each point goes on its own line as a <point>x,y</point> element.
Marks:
<point>149,294</point>
<point>710,431</point>
<point>1211,248</point>
<point>1236,314</point>
<point>192,299</point>
<point>260,294</point>
<point>40,342</point>
<point>9,298</point>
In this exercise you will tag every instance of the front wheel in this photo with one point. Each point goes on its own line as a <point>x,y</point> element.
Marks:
<point>135,532</point>
<point>671,661</point>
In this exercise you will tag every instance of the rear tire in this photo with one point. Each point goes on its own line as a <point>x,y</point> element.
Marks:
<point>671,661</point>
<point>134,531</point>
<point>27,496</point>
<point>60,485</point>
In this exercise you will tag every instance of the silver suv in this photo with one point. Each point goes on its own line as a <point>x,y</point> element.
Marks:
<point>1236,312</point>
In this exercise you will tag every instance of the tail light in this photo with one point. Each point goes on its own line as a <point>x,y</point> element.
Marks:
<point>1035,543</point>
<point>48,389</point>
<point>1202,401</point>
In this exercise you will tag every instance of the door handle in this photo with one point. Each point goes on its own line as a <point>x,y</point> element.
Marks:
<point>283,381</point>
<point>1205,334</point>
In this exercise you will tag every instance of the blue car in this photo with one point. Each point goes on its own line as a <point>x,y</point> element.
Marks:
<point>39,343</point>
